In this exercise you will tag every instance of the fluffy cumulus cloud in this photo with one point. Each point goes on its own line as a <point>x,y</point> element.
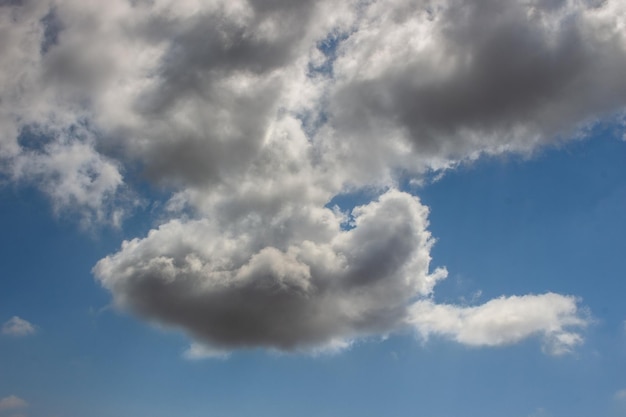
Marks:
<point>450,80</point>
<point>504,321</point>
<point>255,114</point>
<point>287,291</point>
<point>18,327</point>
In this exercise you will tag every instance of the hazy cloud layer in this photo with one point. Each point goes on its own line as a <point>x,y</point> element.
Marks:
<point>18,327</point>
<point>255,114</point>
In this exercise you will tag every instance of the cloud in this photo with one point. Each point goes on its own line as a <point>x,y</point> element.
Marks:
<point>540,412</point>
<point>197,351</point>
<point>253,115</point>
<point>47,138</point>
<point>280,291</point>
<point>72,173</point>
<point>450,80</point>
<point>241,291</point>
<point>504,321</point>
<point>12,402</point>
<point>187,93</point>
<point>18,327</point>
<point>620,395</point>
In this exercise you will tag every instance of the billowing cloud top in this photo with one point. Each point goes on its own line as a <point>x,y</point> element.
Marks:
<point>247,290</point>
<point>255,114</point>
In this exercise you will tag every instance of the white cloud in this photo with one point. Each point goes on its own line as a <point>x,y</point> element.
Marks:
<point>197,351</point>
<point>189,94</point>
<point>505,320</point>
<point>12,402</point>
<point>18,327</point>
<point>73,174</point>
<point>256,114</point>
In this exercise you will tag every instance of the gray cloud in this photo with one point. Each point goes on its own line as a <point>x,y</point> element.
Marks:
<point>255,114</point>
<point>299,295</point>
<point>215,88</point>
<point>453,79</point>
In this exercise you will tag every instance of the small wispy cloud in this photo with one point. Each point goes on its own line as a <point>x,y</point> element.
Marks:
<point>621,395</point>
<point>18,327</point>
<point>540,412</point>
<point>12,402</point>
<point>197,351</point>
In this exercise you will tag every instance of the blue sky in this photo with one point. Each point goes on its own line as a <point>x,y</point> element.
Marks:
<point>541,233</point>
<point>195,223</point>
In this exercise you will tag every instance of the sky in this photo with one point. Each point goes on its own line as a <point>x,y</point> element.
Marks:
<point>314,208</point>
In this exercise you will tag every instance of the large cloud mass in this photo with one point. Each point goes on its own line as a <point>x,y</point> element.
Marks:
<point>256,114</point>
<point>242,290</point>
